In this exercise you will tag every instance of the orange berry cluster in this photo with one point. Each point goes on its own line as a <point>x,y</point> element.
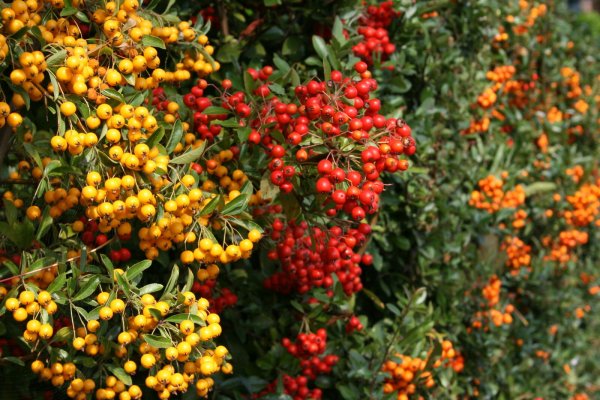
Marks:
<point>478,126</point>
<point>585,204</point>
<point>491,196</point>
<point>581,311</point>
<point>519,219</point>
<point>501,74</point>
<point>491,312</point>
<point>518,253</point>
<point>561,250</point>
<point>576,173</point>
<point>407,373</point>
<point>530,17</point>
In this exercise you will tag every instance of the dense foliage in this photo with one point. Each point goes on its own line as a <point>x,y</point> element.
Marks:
<point>299,200</point>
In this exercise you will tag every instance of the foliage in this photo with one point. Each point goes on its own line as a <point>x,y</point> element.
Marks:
<point>328,199</point>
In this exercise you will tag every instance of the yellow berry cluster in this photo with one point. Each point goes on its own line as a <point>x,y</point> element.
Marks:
<point>25,306</point>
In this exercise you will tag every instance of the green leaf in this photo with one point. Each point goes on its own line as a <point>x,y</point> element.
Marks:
<point>178,318</point>
<point>326,70</point>
<point>80,15</point>
<point>63,334</point>
<point>228,123</point>
<point>10,211</point>
<point>320,46</point>
<point>281,64</point>
<point>68,11</point>
<point>58,283</point>
<point>539,187</point>
<point>189,281</point>
<point>12,267</point>
<point>172,281</point>
<point>45,223</point>
<point>14,360</point>
<point>236,206</point>
<point>243,133</point>
<point>87,289</point>
<point>157,341</point>
<point>124,283</point>
<point>214,110</point>
<point>113,94</point>
<point>175,137</point>
<point>190,156</point>
<point>137,269</point>
<point>210,207</point>
<point>156,137</point>
<point>338,31</point>
<point>56,60</point>
<point>119,373</point>
<point>33,153</point>
<point>149,40</point>
<point>108,264</point>
<point>150,288</point>
<point>138,97</point>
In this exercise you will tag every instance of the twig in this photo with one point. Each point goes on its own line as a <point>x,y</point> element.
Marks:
<point>35,271</point>
<point>223,16</point>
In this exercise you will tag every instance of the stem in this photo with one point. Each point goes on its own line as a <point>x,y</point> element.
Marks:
<point>35,271</point>
<point>395,338</point>
<point>5,134</point>
<point>223,16</point>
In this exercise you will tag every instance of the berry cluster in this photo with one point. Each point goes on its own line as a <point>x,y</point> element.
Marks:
<point>196,101</point>
<point>492,311</point>
<point>405,375</point>
<point>373,28</point>
<point>218,301</point>
<point>308,348</point>
<point>309,257</point>
<point>353,324</point>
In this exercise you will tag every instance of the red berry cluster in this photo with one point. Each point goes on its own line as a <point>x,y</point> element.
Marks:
<point>327,114</point>
<point>160,99</point>
<point>281,174</point>
<point>309,257</point>
<point>373,27</point>
<point>120,255</point>
<point>209,14</point>
<point>15,258</point>
<point>297,387</point>
<point>307,344</point>
<point>90,235</point>
<point>198,102</point>
<point>353,324</point>
<point>340,108</point>
<point>308,348</point>
<point>225,298</point>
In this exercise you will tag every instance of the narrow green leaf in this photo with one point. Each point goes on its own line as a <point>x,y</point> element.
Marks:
<point>137,269</point>
<point>320,46</point>
<point>150,288</point>
<point>178,318</point>
<point>120,374</point>
<point>113,94</point>
<point>175,137</point>
<point>172,281</point>
<point>210,207</point>
<point>214,110</point>
<point>157,341</point>
<point>87,289</point>
<point>58,283</point>
<point>189,156</point>
<point>149,40</point>
<point>236,205</point>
